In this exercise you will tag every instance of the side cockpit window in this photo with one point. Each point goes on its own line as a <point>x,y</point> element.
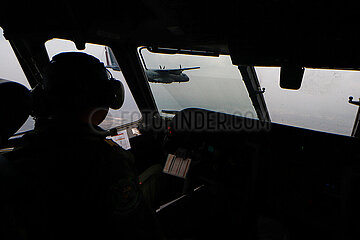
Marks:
<point>10,69</point>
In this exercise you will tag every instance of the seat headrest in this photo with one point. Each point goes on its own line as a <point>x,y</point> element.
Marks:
<point>14,107</point>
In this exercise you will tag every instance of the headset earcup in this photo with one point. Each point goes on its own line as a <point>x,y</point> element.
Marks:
<point>118,95</point>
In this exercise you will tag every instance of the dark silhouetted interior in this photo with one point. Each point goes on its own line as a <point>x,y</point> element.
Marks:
<point>249,179</point>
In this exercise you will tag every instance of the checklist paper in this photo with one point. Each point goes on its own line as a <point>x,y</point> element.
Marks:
<point>122,139</point>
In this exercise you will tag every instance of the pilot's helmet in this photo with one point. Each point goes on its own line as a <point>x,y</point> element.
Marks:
<point>74,81</point>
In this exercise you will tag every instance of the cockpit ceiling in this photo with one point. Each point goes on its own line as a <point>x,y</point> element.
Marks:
<point>262,32</point>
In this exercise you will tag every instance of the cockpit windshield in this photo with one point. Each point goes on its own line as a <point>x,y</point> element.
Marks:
<point>320,104</point>
<point>185,81</point>
<point>214,83</point>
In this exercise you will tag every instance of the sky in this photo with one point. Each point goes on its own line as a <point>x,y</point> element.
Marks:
<point>320,104</point>
<point>9,66</point>
<point>215,86</point>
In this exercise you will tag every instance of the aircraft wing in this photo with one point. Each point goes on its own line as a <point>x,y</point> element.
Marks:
<point>189,68</point>
<point>173,71</point>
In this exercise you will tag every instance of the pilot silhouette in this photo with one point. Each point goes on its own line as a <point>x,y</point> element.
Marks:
<point>78,184</point>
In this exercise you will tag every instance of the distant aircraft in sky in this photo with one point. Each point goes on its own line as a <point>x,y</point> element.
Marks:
<point>163,75</point>
<point>160,75</point>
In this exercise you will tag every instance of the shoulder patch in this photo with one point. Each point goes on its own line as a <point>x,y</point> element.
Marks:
<point>124,197</point>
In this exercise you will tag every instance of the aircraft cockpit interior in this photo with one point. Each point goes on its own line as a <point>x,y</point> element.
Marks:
<point>242,117</point>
